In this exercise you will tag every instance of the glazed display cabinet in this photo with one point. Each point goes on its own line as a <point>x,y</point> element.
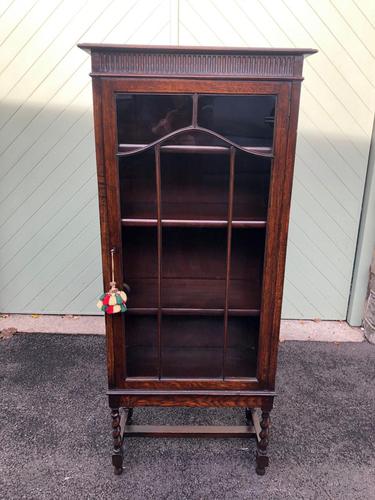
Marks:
<point>195,152</point>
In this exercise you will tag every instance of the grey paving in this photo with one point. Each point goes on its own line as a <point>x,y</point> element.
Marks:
<point>55,437</point>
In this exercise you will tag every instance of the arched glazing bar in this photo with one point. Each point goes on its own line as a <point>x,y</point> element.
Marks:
<point>130,149</point>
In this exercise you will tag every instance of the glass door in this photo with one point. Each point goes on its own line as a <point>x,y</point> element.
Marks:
<point>194,176</point>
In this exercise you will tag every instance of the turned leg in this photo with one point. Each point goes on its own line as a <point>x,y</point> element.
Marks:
<point>248,417</point>
<point>117,441</point>
<point>262,459</point>
<point>129,416</point>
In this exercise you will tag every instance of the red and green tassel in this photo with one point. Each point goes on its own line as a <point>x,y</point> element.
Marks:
<point>114,301</point>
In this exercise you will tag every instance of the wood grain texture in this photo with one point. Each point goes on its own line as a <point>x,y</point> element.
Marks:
<point>181,62</point>
<point>104,217</point>
<point>113,228</point>
<point>190,401</point>
<point>262,458</point>
<point>117,456</point>
<point>188,431</point>
<point>164,275</point>
<point>161,356</point>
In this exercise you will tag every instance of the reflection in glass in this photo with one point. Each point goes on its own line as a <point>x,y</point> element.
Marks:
<point>245,120</point>
<point>142,118</point>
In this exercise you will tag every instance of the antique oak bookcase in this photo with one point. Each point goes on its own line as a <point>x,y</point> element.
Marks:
<point>195,151</point>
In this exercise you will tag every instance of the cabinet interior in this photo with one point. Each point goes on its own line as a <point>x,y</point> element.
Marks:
<point>194,187</point>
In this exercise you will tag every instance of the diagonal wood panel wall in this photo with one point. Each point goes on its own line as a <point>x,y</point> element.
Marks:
<point>334,130</point>
<point>49,232</point>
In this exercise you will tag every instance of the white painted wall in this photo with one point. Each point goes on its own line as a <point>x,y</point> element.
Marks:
<point>49,232</point>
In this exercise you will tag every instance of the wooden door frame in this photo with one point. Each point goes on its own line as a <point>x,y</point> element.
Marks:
<point>105,90</point>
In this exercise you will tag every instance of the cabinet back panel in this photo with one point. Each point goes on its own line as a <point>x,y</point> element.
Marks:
<point>194,253</point>
<point>140,265</point>
<point>242,345</point>
<point>193,267</point>
<point>141,346</point>
<point>140,252</point>
<point>194,186</point>
<point>251,187</point>
<point>193,293</point>
<point>192,346</point>
<point>138,186</point>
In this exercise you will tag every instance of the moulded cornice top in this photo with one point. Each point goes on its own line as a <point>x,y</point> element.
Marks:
<point>90,47</point>
<point>196,62</point>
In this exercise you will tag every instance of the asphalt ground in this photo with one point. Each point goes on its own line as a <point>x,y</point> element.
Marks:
<point>56,439</point>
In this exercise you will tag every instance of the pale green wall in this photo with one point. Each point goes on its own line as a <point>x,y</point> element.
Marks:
<point>366,245</point>
<point>49,245</point>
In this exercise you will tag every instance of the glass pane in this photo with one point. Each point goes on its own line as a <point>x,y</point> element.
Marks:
<point>194,186</point>
<point>193,267</point>
<point>241,353</point>
<point>246,268</point>
<point>138,186</point>
<point>251,187</point>
<point>192,346</point>
<point>247,120</point>
<point>140,265</point>
<point>141,345</point>
<point>144,118</point>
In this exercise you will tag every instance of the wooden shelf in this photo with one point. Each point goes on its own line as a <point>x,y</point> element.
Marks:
<point>185,311</point>
<point>133,222</point>
<point>195,295</point>
<point>182,148</point>
<point>194,188</point>
<point>193,268</point>
<point>141,311</point>
<point>244,296</point>
<point>139,222</point>
<point>232,431</point>
<point>191,342</point>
